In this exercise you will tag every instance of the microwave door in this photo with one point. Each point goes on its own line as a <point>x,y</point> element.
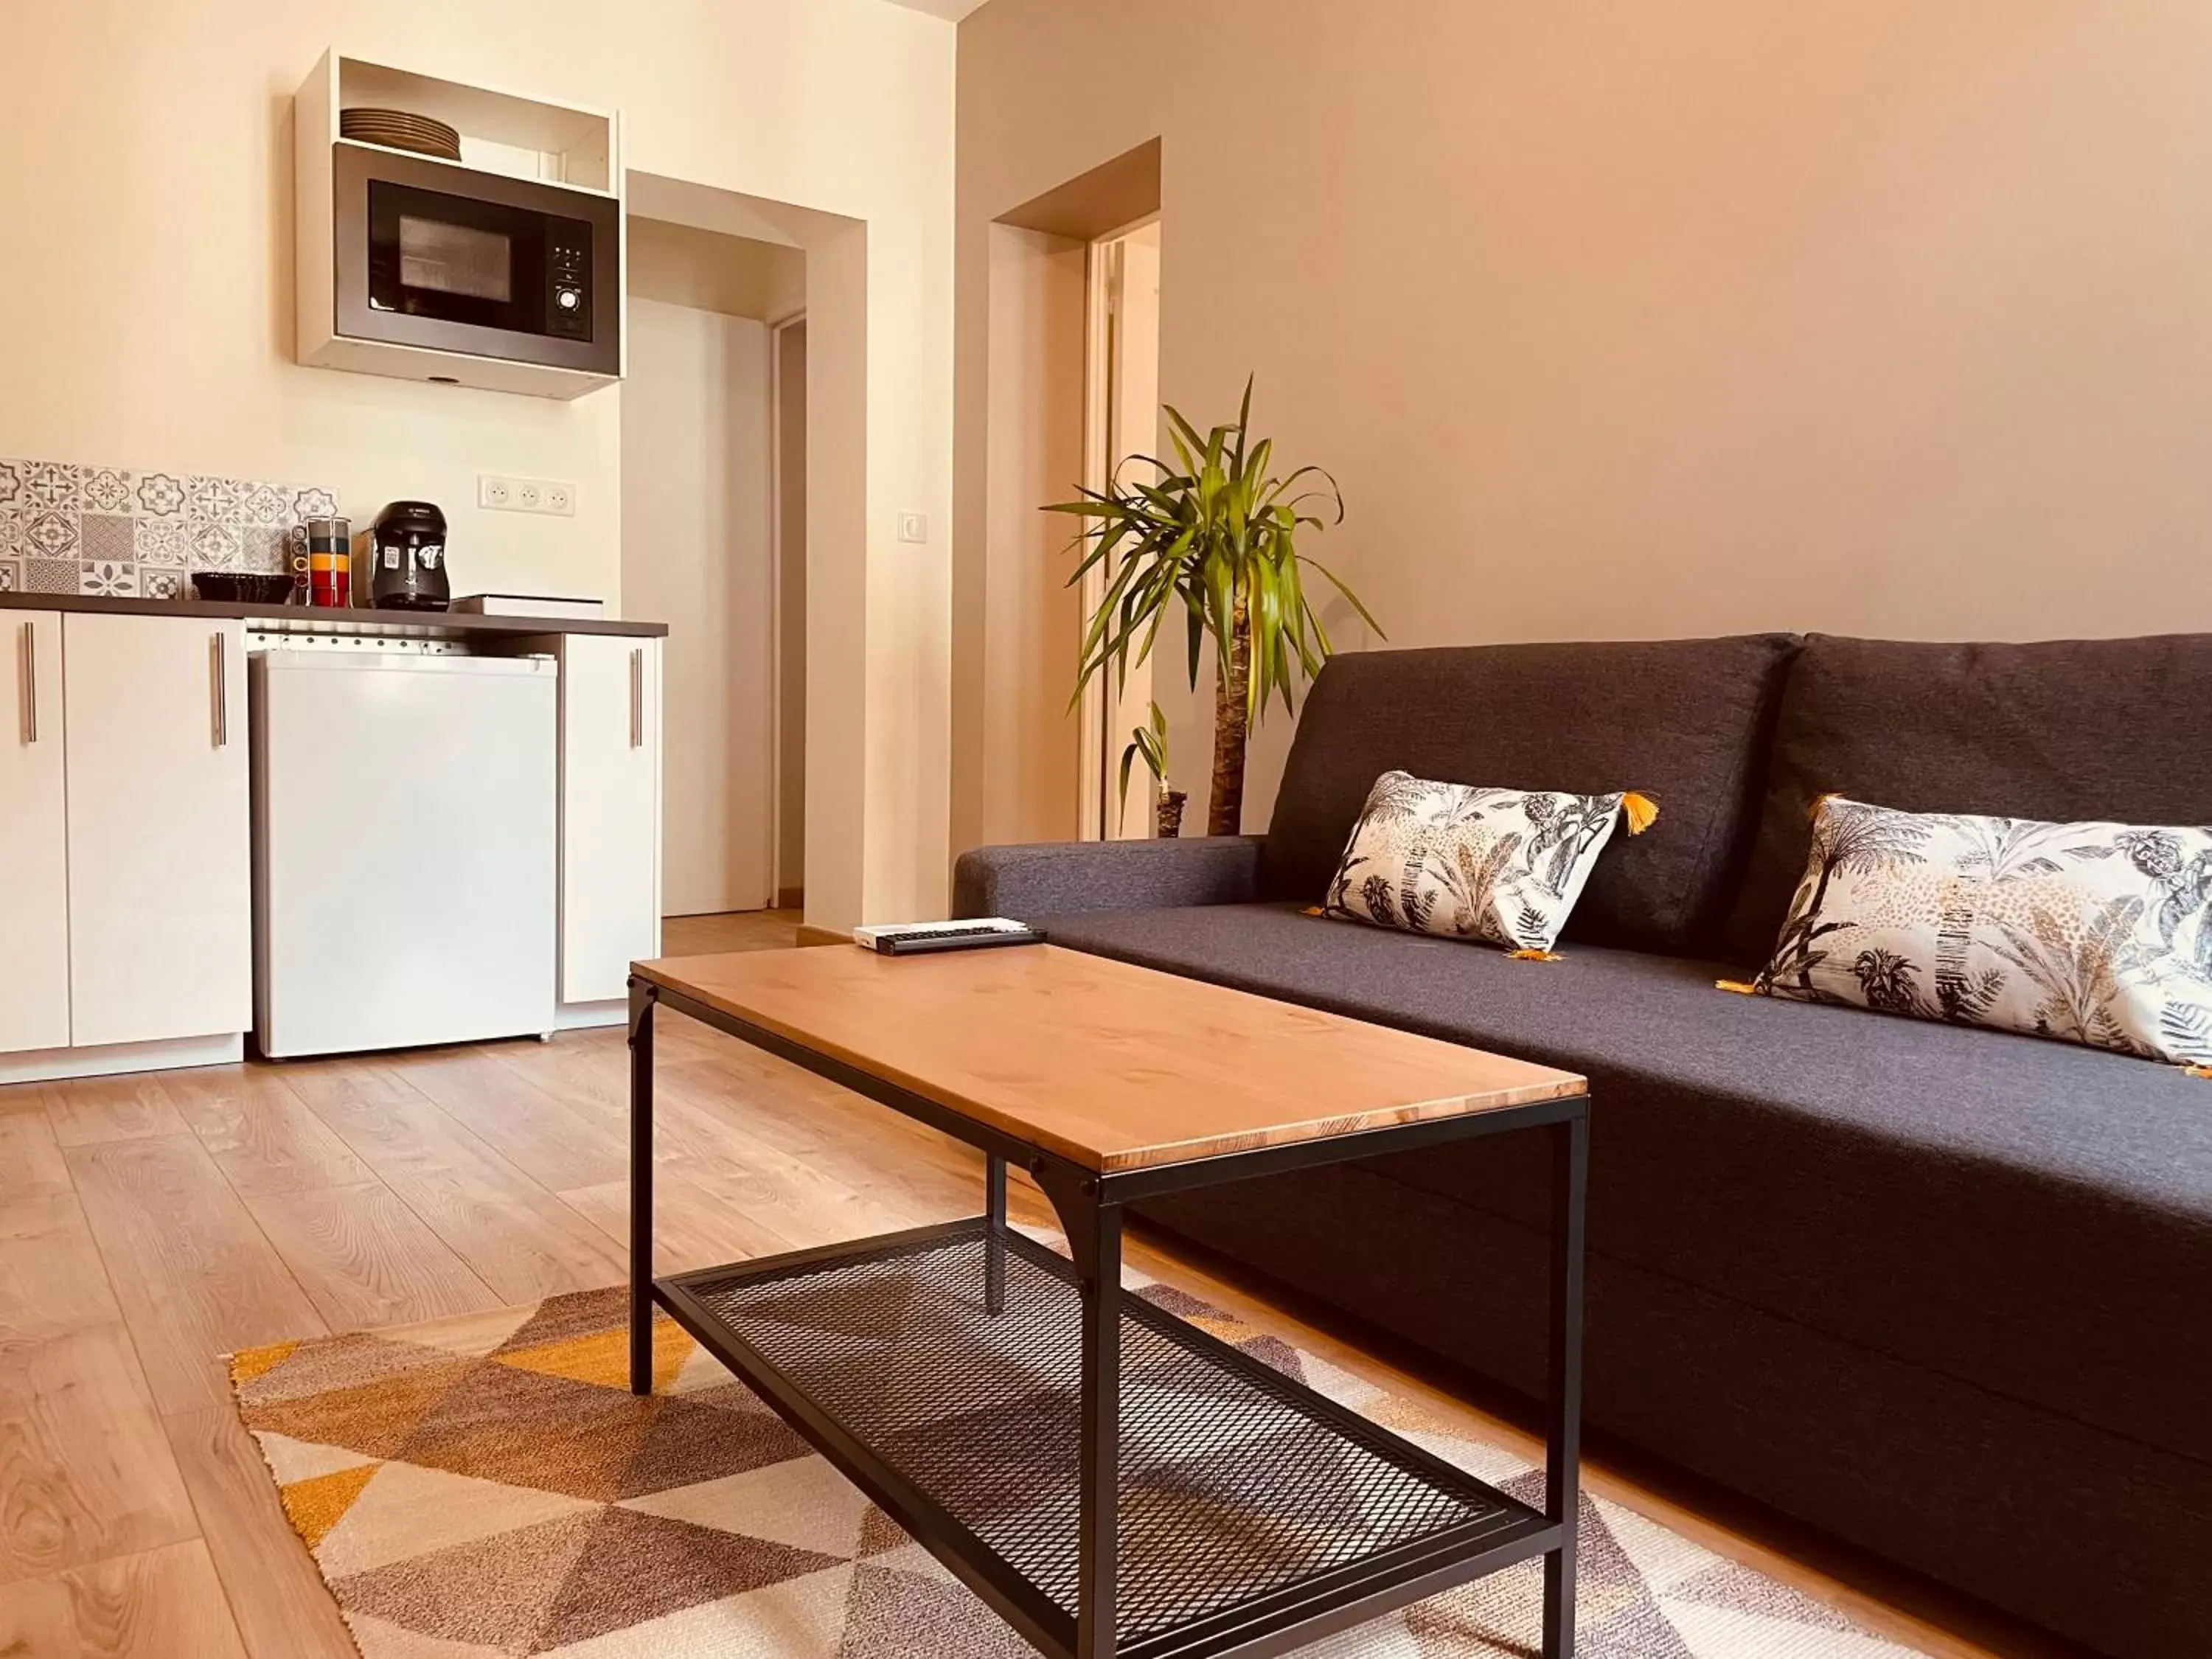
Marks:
<point>446,257</point>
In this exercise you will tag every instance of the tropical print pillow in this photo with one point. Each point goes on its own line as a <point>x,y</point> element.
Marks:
<point>2096,933</point>
<point>1506,865</point>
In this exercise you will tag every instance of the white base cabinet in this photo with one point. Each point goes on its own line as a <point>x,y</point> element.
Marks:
<point>127,915</point>
<point>610,816</point>
<point>34,973</point>
<point>160,867</point>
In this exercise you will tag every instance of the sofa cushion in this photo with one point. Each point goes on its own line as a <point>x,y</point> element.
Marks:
<point>2032,1217</point>
<point>1502,865</point>
<point>2082,932</point>
<point>2110,729</point>
<point>1684,721</point>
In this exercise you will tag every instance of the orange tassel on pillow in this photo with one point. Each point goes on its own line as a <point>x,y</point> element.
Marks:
<point>2198,1070</point>
<point>1643,812</point>
<point>1532,956</point>
<point>1740,987</point>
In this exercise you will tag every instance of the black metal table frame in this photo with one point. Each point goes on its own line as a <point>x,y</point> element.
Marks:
<point>1090,1206</point>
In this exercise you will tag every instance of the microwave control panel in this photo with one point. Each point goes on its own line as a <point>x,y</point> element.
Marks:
<point>568,278</point>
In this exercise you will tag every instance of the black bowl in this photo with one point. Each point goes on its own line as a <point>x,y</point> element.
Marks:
<point>238,587</point>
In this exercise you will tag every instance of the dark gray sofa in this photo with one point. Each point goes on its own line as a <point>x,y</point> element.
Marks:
<point>1944,1294</point>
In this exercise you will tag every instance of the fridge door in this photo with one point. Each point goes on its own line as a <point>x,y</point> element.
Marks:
<point>405,848</point>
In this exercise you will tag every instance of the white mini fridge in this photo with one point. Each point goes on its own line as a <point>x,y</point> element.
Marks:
<point>405,848</point>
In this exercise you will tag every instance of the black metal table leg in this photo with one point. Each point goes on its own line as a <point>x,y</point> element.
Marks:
<point>641,999</point>
<point>1563,1391</point>
<point>994,1249</point>
<point>1098,1261</point>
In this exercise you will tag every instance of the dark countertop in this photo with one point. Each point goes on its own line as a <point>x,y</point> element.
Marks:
<point>419,624</point>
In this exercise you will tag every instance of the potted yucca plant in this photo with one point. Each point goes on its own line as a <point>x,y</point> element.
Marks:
<point>1149,743</point>
<point>1215,535</point>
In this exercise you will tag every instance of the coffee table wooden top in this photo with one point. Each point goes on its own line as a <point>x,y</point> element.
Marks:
<point>1110,1066</point>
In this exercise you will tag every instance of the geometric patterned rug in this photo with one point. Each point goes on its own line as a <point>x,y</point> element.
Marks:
<point>487,1486</point>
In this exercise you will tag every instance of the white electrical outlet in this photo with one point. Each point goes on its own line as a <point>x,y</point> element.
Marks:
<point>914,527</point>
<point>543,496</point>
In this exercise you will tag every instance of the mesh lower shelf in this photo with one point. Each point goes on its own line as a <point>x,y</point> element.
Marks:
<point>1236,1483</point>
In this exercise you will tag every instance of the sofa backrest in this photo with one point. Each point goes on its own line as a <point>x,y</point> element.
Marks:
<point>2113,730</point>
<point>1685,722</point>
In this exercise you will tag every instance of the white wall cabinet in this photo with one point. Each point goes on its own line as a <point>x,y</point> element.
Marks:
<point>609,813</point>
<point>161,939</point>
<point>35,980</point>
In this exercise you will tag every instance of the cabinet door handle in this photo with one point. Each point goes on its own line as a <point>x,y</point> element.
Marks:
<point>30,682</point>
<point>637,699</point>
<point>221,689</point>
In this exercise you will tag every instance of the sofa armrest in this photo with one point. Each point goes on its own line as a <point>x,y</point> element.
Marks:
<point>1059,878</point>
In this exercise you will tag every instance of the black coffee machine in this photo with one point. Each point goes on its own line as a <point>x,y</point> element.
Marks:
<point>407,553</point>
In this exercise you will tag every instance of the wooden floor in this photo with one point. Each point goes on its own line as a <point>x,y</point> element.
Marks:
<point>150,1224</point>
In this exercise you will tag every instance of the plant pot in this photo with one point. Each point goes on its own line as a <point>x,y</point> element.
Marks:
<point>1169,814</point>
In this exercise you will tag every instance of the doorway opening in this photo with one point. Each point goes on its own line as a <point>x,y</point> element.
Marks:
<point>709,540</point>
<point>1071,288</point>
<point>1121,416</point>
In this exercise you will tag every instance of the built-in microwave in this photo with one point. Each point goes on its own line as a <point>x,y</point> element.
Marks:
<point>449,258</point>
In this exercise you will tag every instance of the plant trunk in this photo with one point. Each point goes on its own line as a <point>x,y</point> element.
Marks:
<point>1167,813</point>
<point>1224,813</point>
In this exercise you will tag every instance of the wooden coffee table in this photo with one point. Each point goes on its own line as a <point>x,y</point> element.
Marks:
<point>1111,1479</point>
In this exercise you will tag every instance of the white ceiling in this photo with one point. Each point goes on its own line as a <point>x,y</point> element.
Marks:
<point>953,9</point>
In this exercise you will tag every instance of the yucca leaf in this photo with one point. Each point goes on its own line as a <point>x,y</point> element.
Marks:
<point>1350,598</point>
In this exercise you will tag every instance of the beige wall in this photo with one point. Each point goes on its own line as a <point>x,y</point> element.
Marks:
<point>145,210</point>
<point>706,271</point>
<point>1860,315</point>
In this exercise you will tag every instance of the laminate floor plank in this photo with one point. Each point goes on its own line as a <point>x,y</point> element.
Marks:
<point>889,1159</point>
<point>783,1194</point>
<point>733,930</point>
<point>366,1260</point>
<point>84,1469</point>
<point>691,1227</point>
<point>162,1604</point>
<point>52,1280</point>
<point>87,1110</point>
<point>261,1136</point>
<point>31,1163</point>
<point>520,1239</point>
<point>907,1166</point>
<point>547,1140</point>
<point>724,1197</point>
<point>277,1596</point>
<point>196,1277</point>
<point>587,1072</point>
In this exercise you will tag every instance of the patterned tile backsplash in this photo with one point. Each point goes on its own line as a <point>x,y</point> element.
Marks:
<point>67,529</point>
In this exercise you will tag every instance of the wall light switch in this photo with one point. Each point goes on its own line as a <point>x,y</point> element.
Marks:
<point>914,527</point>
